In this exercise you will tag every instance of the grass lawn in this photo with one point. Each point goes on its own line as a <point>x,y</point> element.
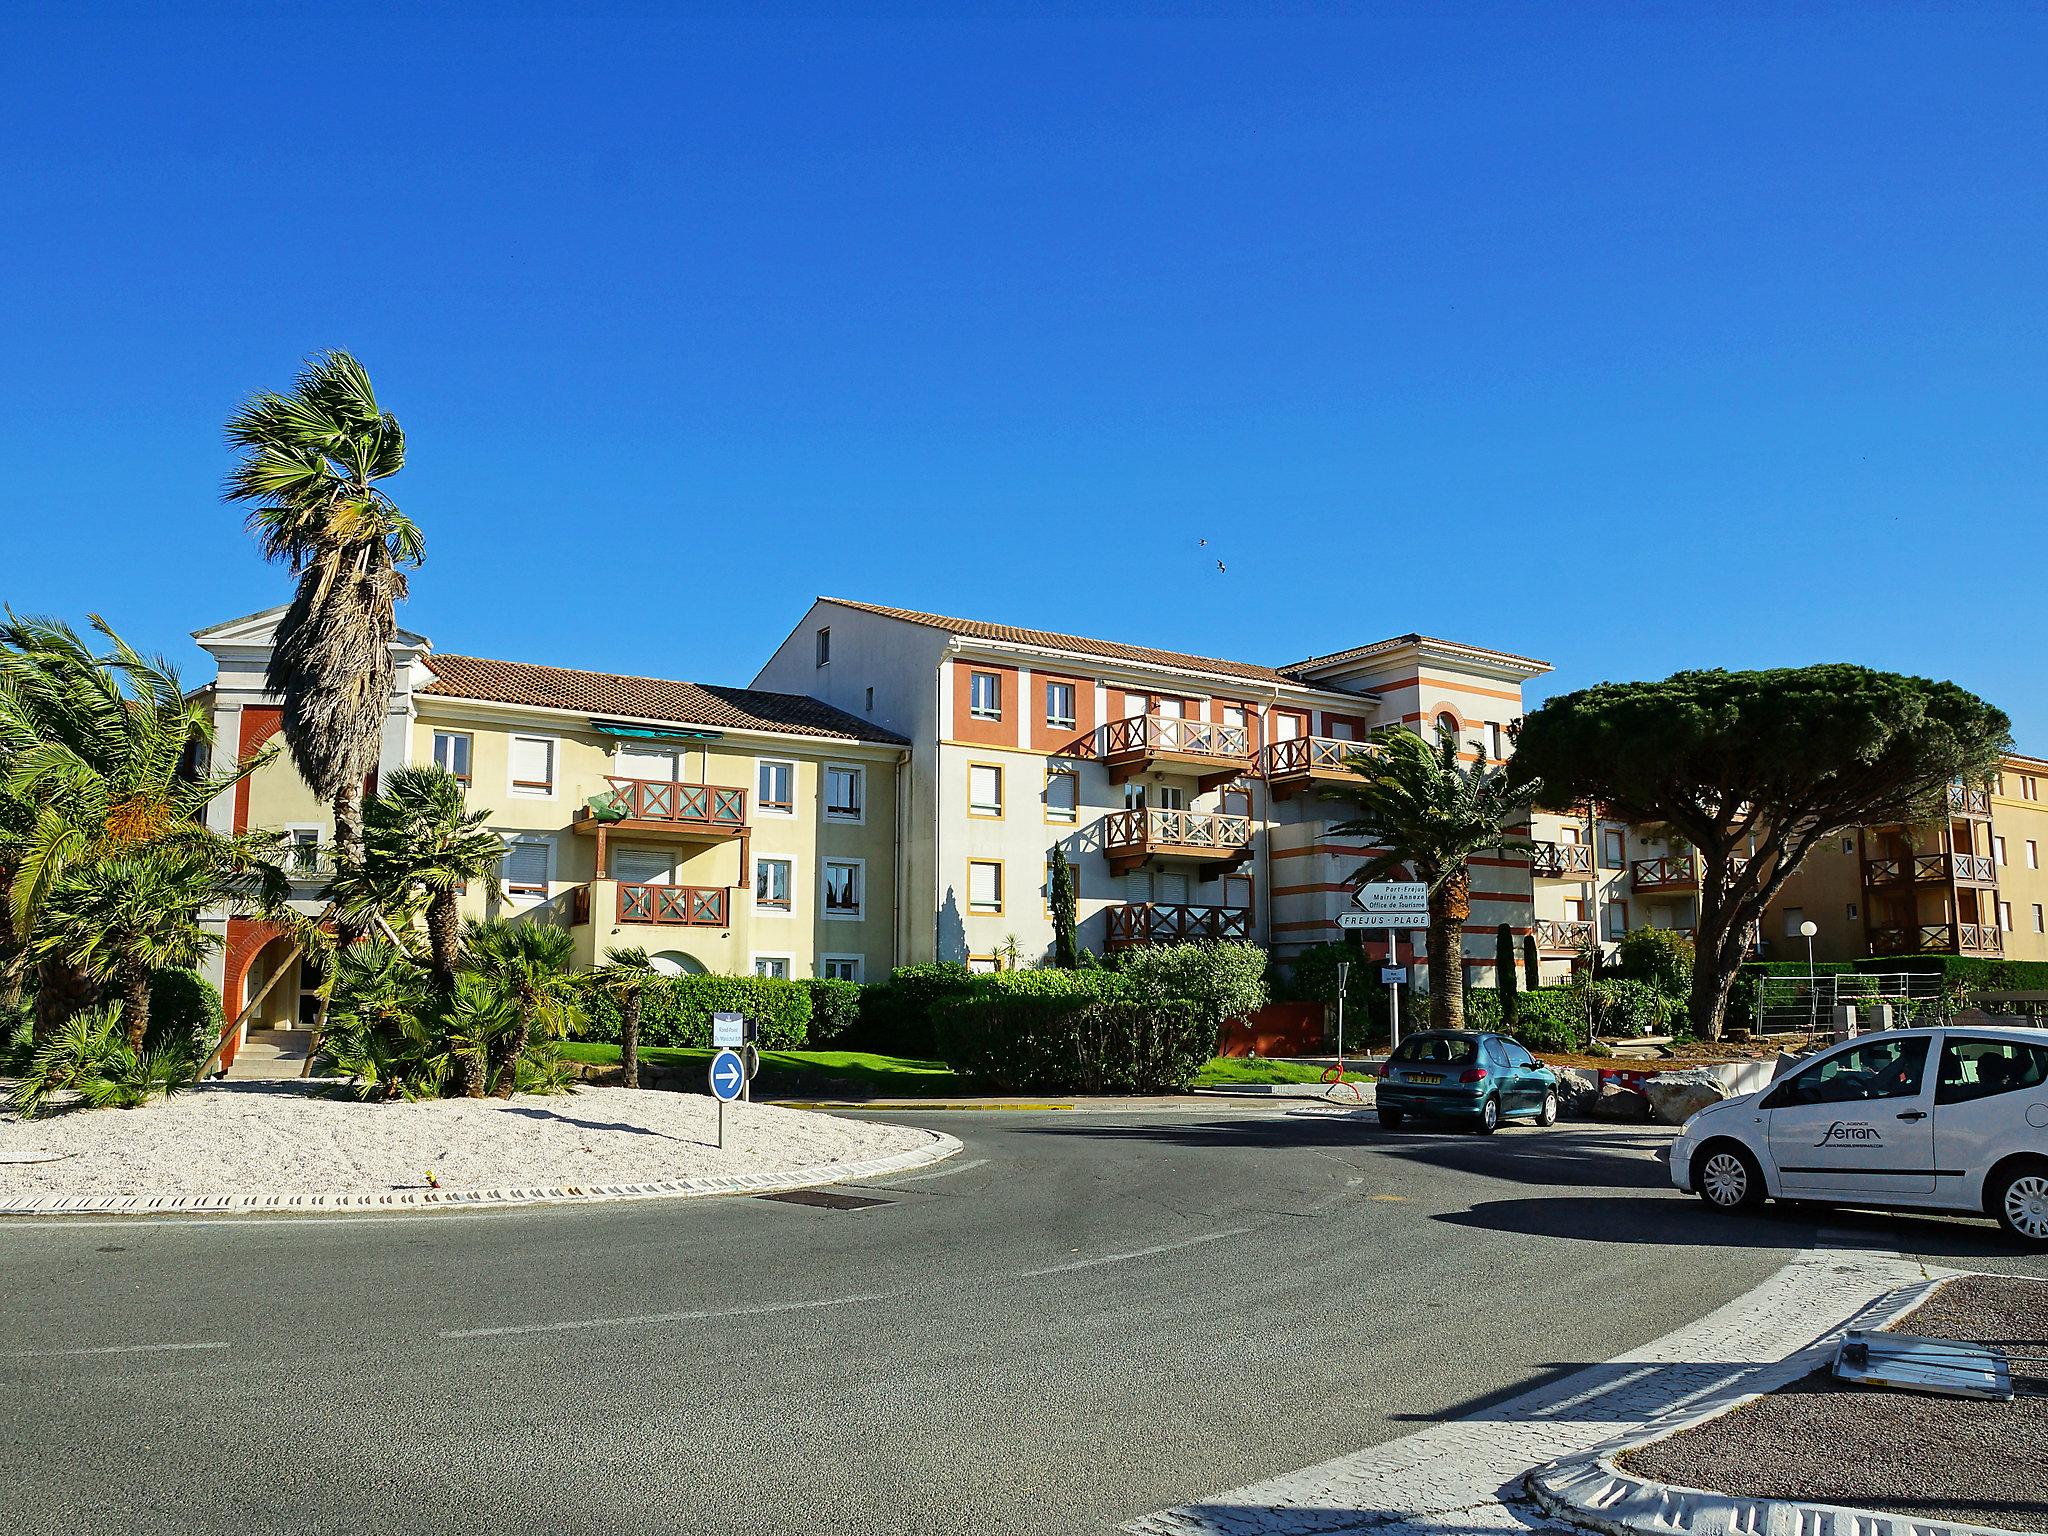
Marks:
<point>833,1074</point>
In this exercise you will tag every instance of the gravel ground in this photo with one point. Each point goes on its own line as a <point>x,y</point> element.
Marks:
<point>291,1139</point>
<point>1938,1458</point>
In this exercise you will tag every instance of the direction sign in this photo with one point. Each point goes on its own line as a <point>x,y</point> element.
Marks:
<point>728,1076</point>
<point>728,1029</point>
<point>1405,896</point>
<point>1393,974</point>
<point>1382,919</point>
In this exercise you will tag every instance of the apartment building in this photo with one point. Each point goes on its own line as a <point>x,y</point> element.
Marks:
<point>1596,877</point>
<point>729,830</point>
<point>1970,883</point>
<point>1183,789</point>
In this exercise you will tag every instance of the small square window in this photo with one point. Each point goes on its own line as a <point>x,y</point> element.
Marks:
<point>845,792</point>
<point>984,790</point>
<point>1059,704</point>
<point>533,765</point>
<point>771,885</point>
<point>843,881</point>
<point>772,967</point>
<point>451,754</point>
<point>982,965</point>
<point>824,646</point>
<point>1062,795</point>
<point>777,790</point>
<point>841,967</point>
<point>985,886</point>
<point>985,695</point>
<point>526,867</point>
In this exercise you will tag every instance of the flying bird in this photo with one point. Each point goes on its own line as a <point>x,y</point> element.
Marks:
<point>1221,566</point>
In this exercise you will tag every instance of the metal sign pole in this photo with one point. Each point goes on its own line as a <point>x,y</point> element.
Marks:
<point>721,1125</point>
<point>1343,985</point>
<point>1393,992</point>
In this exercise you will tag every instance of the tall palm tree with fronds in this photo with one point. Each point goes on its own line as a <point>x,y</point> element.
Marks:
<point>529,965</point>
<point>419,835</point>
<point>628,974</point>
<point>1429,812</point>
<point>96,763</point>
<point>312,460</point>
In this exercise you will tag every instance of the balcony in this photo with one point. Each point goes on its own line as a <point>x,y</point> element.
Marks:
<point>1151,922</point>
<point>1129,838</point>
<point>1650,876</point>
<point>306,862</point>
<point>1561,861</point>
<point>1215,754</point>
<point>662,808</point>
<point>1938,939</point>
<point>1932,869</point>
<point>1562,938</point>
<point>656,906</point>
<point>1303,762</point>
<point>1964,800</point>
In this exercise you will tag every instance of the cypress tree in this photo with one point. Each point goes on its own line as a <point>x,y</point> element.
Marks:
<point>1504,975</point>
<point>1532,978</point>
<point>1066,945</point>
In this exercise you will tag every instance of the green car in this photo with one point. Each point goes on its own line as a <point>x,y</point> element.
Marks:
<point>1457,1074</point>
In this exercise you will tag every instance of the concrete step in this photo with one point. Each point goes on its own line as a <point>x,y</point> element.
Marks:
<point>271,1054</point>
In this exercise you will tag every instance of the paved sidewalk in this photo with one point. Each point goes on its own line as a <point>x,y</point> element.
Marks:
<point>1466,1475</point>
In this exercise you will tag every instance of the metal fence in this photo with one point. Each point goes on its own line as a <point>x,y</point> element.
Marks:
<point>1793,1005</point>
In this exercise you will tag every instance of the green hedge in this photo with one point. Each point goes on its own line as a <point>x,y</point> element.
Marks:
<point>1089,1032</point>
<point>835,1009</point>
<point>896,1015</point>
<point>1554,1018</point>
<point>678,1011</point>
<point>1224,981</point>
<point>1973,971</point>
<point>183,1007</point>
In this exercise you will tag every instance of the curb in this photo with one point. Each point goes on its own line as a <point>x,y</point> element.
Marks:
<point>938,1149</point>
<point>904,1106</point>
<point>1593,1491</point>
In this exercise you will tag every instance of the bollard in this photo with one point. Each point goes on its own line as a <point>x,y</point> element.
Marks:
<point>1845,1021</point>
<point>1881,1016</point>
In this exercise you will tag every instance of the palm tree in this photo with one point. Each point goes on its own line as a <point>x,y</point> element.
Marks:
<point>529,965</point>
<point>420,836</point>
<point>1429,812</point>
<point>96,763</point>
<point>120,920</point>
<point>311,462</point>
<point>628,974</point>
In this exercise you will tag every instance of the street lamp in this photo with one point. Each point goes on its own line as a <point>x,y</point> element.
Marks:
<point>1807,930</point>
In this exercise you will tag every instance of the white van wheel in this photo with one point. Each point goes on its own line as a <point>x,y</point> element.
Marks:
<point>2021,1204</point>
<point>1728,1178</point>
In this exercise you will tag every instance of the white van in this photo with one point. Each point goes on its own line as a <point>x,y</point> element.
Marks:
<point>1951,1119</point>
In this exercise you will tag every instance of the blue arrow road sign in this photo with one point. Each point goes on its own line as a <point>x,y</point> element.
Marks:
<point>728,1076</point>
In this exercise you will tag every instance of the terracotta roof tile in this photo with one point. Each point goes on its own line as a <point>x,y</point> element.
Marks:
<point>645,698</point>
<point>1105,650</point>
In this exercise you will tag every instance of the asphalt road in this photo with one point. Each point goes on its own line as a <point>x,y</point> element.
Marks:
<point>1079,1319</point>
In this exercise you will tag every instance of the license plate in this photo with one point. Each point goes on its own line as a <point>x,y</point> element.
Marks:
<point>1424,1077</point>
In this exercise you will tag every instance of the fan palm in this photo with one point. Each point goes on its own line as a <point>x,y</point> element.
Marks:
<point>529,965</point>
<point>378,1022</point>
<point>628,974</point>
<point>420,838</point>
<point>96,763</point>
<point>312,460</point>
<point>1429,812</point>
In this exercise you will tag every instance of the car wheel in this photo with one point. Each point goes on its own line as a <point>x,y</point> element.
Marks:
<point>1548,1114</point>
<point>1728,1178</point>
<point>1391,1119</point>
<point>1489,1115</point>
<point>2020,1202</point>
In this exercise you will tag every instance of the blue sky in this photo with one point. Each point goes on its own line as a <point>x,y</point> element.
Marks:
<point>1633,338</point>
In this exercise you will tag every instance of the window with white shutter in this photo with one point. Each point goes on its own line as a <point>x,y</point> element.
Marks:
<point>526,870</point>
<point>533,765</point>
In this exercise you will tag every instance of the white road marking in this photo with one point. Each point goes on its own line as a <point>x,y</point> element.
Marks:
<point>109,1349</point>
<point>573,1324</point>
<point>1136,1253</point>
<point>941,1173</point>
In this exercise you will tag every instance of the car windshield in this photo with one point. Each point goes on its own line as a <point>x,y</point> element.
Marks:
<point>1449,1049</point>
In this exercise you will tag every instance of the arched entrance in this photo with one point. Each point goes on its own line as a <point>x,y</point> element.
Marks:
<point>673,962</point>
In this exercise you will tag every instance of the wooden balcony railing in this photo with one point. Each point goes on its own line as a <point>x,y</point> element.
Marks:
<point>1297,761</point>
<point>1679,873</point>
<point>1215,753</point>
<point>1555,937</point>
<point>1130,836</point>
<point>1557,861</point>
<point>1938,939</point>
<point>1151,922</point>
<point>715,806</point>
<point>1932,868</point>
<point>1967,800</point>
<point>679,906</point>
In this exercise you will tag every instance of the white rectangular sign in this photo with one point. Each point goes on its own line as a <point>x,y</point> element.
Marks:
<point>1382,919</point>
<point>728,1029</point>
<point>1393,896</point>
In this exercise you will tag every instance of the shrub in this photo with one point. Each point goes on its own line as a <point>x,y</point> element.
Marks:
<point>677,1011</point>
<point>896,1015</point>
<point>1312,977</point>
<point>1224,981</point>
<point>835,1009</point>
<point>1551,1018</point>
<point>183,1007</point>
<point>1627,1008</point>
<point>1105,1036</point>
<point>88,1055</point>
<point>1659,957</point>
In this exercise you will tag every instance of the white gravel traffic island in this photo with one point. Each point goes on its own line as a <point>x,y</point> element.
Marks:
<point>301,1147</point>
